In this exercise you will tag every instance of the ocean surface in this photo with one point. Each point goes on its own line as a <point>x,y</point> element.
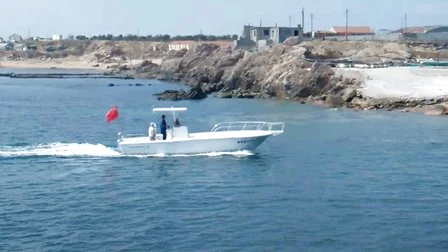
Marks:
<point>335,180</point>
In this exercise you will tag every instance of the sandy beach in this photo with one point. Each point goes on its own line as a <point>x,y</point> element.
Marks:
<point>48,64</point>
<point>67,63</point>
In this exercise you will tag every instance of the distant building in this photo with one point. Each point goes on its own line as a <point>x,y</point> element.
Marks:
<point>384,31</point>
<point>337,32</point>
<point>2,40</point>
<point>15,38</point>
<point>422,29</point>
<point>181,44</point>
<point>260,36</point>
<point>71,37</point>
<point>275,34</point>
<point>437,33</point>
<point>56,37</point>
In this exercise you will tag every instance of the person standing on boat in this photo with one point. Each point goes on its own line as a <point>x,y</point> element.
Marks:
<point>163,127</point>
<point>152,132</point>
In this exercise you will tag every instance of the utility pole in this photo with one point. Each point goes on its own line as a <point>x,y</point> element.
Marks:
<point>346,24</point>
<point>303,18</point>
<point>312,16</point>
<point>290,30</point>
<point>405,21</point>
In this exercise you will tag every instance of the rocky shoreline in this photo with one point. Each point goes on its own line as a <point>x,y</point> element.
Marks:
<point>283,72</point>
<point>305,72</point>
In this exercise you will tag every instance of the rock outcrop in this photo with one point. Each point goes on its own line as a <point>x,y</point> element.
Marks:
<point>192,94</point>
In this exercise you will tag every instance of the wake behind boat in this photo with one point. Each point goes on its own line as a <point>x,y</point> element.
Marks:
<point>223,137</point>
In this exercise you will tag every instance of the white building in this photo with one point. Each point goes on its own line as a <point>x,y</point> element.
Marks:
<point>179,45</point>
<point>57,37</point>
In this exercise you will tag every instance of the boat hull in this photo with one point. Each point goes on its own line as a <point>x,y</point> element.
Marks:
<point>192,145</point>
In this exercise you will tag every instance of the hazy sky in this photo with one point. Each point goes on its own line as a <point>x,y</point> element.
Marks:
<point>91,17</point>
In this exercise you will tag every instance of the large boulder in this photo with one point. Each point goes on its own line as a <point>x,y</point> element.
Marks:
<point>334,101</point>
<point>193,94</point>
<point>348,94</point>
<point>229,60</point>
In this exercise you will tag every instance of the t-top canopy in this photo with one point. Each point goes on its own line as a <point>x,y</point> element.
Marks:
<point>172,109</point>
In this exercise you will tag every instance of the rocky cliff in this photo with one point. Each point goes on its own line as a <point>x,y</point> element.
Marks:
<point>280,72</point>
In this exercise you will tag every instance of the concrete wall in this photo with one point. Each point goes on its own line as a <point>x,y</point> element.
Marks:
<point>280,34</point>
<point>244,44</point>
<point>375,37</point>
<point>246,31</point>
<point>286,32</point>
<point>421,37</point>
<point>260,33</point>
<point>264,44</point>
<point>432,37</point>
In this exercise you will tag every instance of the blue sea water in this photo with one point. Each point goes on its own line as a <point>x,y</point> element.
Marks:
<point>335,180</point>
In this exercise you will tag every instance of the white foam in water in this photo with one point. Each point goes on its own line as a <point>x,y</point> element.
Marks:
<point>59,149</point>
<point>91,150</point>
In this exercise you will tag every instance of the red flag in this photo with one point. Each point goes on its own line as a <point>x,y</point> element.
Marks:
<point>112,114</point>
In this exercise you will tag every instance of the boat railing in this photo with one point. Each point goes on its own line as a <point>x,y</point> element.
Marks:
<point>249,125</point>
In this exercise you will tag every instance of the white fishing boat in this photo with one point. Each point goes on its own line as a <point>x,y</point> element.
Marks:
<point>223,137</point>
